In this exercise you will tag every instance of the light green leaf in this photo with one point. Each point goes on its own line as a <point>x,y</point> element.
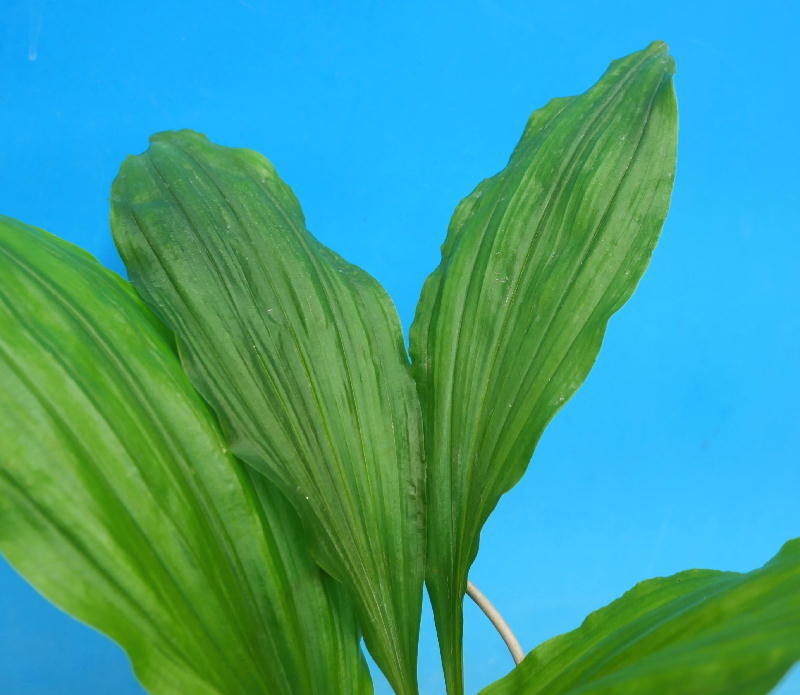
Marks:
<point>699,632</point>
<point>120,503</point>
<point>301,356</point>
<point>536,260</point>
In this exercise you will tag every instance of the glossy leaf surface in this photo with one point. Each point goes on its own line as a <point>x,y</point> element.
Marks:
<point>301,356</point>
<point>120,502</point>
<point>699,632</point>
<point>536,260</point>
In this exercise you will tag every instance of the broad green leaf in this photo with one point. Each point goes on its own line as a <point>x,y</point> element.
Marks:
<point>536,260</point>
<point>699,632</point>
<point>301,356</point>
<point>120,502</point>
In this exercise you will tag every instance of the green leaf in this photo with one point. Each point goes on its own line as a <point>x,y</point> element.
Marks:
<point>120,502</point>
<point>300,354</point>
<point>699,632</point>
<point>536,260</point>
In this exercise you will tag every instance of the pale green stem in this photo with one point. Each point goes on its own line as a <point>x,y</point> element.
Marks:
<point>497,620</point>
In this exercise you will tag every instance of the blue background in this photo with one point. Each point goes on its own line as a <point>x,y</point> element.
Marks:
<point>681,450</point>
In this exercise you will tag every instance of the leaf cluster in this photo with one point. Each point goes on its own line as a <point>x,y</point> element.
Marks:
<point>232,466</point>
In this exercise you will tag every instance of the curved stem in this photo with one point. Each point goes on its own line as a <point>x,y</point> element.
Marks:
<point>497,620</point>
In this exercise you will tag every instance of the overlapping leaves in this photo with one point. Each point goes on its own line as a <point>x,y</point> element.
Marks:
<point>300,354</point>
<point>122,502</point>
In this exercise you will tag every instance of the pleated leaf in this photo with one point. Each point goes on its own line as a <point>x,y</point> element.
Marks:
<point>301,356</point>
<point>120,502</point>
<point>699,632</point>
<point>536,260</point>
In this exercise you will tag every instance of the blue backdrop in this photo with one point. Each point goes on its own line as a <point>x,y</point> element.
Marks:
<point>681,450</point>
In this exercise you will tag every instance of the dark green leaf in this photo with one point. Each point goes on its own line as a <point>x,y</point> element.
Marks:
<point>120,503</point>
<point>300,354</point>
<point>695,633</point>
<point>536,260</point>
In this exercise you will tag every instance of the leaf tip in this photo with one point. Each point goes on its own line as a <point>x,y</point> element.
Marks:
<point>659,50</point>
<point>169,136</point>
